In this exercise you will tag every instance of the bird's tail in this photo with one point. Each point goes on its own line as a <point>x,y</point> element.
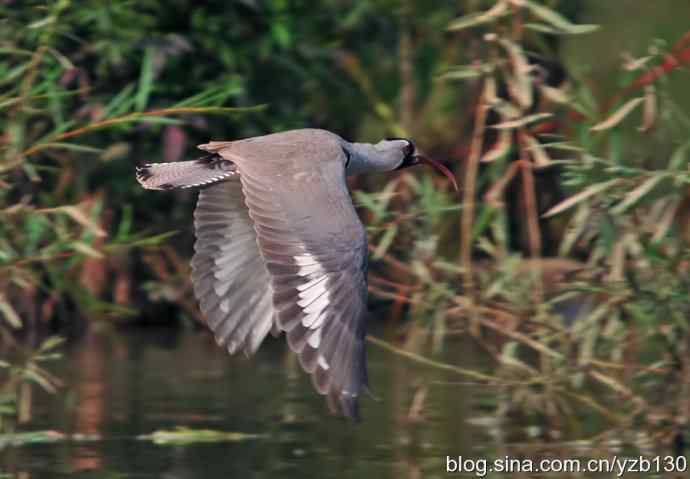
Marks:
<point>185,174</point>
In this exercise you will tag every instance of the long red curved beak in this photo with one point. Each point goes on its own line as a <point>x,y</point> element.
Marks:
<point>440,167</point>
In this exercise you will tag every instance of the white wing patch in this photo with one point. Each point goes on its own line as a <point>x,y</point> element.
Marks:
<point>314,298</point>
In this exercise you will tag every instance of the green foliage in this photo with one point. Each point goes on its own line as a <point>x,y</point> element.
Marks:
<point>58,240</point>
<point>26,369</point>
<point>566,257</point>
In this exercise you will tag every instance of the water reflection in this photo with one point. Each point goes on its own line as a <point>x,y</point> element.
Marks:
<point>122,385</point>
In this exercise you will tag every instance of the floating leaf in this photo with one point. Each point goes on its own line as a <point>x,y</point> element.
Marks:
<point>581,196</point>
<point>618,115</point>
<point>638,193</point>
<point>30,437</point>
<point>184,435</point>
<point>479,18</point>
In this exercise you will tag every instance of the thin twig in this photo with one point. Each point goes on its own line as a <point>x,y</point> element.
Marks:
<point>469,191</point>
<point>432,363</point>
<point>129,118</point>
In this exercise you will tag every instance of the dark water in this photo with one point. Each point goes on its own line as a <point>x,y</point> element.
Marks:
<point>122,385</point>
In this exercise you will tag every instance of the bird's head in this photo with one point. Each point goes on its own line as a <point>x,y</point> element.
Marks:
<point>411,157</point>
<point>387,155</point>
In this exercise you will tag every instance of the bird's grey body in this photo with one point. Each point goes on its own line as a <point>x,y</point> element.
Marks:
<point>280,247</point>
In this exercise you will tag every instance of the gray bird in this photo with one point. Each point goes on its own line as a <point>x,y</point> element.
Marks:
<point>279,246</point>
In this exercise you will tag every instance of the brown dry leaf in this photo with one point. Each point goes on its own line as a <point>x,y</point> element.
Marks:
<point>581,196</point>
<point>9,313</point>
<point>474,19</point>
<point>665,222</point>
<point>638,193</point>
<point>556,95</point>
<point>618,115</point>
<point>87,249</point>
<point>539,156</point>
<point>500,148</point>
<point>648,109</point>
<point>520,83</point>
<point>631,64</point>
<point>518,122</point>
<point>77,214</point>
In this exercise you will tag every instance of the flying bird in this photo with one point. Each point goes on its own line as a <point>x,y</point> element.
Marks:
<point>280,248</point>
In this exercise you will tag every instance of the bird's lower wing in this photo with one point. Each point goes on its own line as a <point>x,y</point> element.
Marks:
<point>229,275</point>
<point>315,251</point>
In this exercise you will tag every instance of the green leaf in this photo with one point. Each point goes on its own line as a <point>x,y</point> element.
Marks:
<point>543,28</point>
<point>386,241</point>
<point>121,103</point>
<point>51,343</point>
<point>479,18</point>
<point>152,240</point>
<point>557,20</point>
<point>73,147</point>
<point>145,80</point>
<point>679,158</point>
<point>38,378</point>
<point>462,72</point>
<point>125,226</point>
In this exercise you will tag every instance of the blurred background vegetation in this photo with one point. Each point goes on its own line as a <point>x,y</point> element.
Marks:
<point>565,255</point>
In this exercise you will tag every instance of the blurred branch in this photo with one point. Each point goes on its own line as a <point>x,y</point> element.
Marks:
<point>135,117</point>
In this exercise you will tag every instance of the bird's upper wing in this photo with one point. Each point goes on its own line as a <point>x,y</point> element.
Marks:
<point>315,250</point>
<point>228,273</point>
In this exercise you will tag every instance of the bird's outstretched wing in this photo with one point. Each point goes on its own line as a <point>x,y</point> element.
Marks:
<point>314,247</point>
<point>228,273</point>
<point>185,174</point>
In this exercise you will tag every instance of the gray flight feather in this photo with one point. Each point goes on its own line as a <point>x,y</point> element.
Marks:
<point>185,174</point>
<point>229,276</point>
<point>283,247</point>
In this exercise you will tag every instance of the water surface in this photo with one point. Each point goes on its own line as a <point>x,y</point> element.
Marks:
<point>121,385</point>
